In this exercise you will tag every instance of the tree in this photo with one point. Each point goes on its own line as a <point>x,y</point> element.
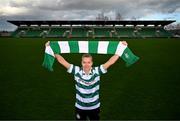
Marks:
<point>101,16</point>
<point>119,16</point>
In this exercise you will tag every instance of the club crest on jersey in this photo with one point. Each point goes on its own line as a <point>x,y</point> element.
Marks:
<point>85,82</point>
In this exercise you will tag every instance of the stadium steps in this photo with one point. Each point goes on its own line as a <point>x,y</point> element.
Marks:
<point>44,32</point>
<point>19,32</point>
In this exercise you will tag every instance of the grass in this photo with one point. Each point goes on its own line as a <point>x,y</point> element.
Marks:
<point>149,89</point>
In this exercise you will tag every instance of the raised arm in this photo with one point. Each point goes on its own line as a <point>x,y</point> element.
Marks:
<point>60,59</point>
<point>113,59</point>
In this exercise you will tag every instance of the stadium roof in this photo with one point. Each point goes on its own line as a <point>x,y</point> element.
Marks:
<point>91,22</point>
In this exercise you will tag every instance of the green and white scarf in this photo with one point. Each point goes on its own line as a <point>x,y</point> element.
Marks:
<point>96,47</point>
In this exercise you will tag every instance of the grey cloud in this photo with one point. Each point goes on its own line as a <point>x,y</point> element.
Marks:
<point>88,9</point>
<point>125,7</point>
<point>164,6</point>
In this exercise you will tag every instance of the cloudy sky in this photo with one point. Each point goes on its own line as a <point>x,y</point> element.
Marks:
<point>86,10</point>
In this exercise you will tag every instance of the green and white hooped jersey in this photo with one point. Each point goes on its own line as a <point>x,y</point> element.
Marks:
<point>87,86</point>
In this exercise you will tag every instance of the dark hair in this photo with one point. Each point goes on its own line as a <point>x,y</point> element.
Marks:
<point>86,55</point>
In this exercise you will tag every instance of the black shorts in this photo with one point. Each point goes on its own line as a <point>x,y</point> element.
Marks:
<point>87,114</point>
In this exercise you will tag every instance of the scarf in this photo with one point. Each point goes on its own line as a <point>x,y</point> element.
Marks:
<point>94,47</point>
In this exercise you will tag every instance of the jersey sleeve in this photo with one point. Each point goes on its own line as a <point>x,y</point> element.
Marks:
<point>100,70</point>
<point>73,69</point>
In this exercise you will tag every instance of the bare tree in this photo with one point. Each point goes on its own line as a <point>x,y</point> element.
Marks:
<point>101,16</point>
<point>118,16</point>
<point>133,18</point>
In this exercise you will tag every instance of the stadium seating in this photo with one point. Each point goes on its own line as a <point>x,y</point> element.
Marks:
<point>91,32</point>
<point>147,32</point>
<point>33,32</point>
<point>19,32</point>
<point>163,33</point>
<point>102,31</point>
<point>125,31</point>
<point>59,32</point>
<point>79,32</point>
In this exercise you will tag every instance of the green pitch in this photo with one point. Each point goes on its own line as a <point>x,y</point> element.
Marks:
<point>150,89</point>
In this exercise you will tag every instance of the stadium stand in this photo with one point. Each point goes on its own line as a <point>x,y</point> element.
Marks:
<point>147,32</point>
<point>162,32</point>
<point>91,29</point>
<point>19,31</point>
<point>125,32</point>
<point>102,31</point>
<point>33,32</point>
<point>59,32</point>
<point>80,31</point>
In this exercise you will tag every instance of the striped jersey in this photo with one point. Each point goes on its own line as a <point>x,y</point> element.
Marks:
<point>87,86</point>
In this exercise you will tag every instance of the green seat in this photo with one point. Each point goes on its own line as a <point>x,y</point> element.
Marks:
<point>58,32</point>
<point>102,32</point>
<point>79,32</point>
<point>125,32</point>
